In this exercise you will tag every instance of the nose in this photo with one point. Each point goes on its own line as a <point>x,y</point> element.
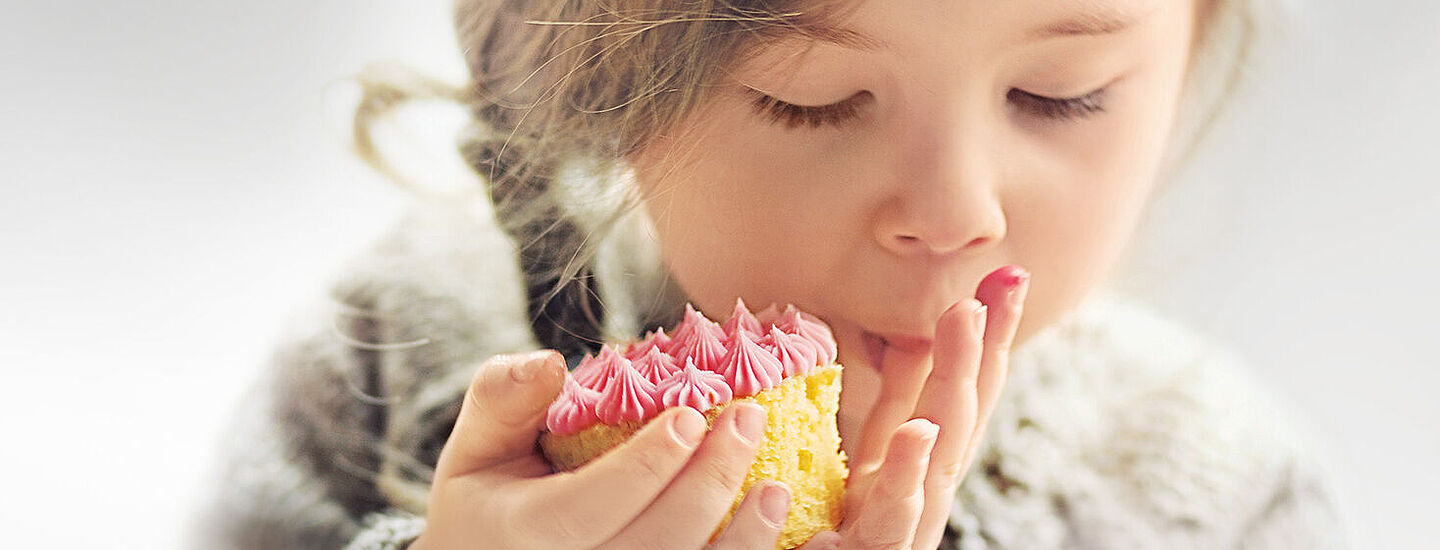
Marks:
<point>946,198</point>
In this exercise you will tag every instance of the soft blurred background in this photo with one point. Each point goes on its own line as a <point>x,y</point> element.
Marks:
<point>176,180</point>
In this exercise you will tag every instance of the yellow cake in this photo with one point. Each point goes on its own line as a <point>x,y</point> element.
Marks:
<point>786,365</point>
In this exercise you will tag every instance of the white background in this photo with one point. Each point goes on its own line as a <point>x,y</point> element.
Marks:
<point>174,181</point>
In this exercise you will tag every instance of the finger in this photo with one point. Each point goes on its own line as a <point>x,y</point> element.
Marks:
<point>1005,291</point>
<point>759,519</point>
<point>503,411</point>
<point>892,508</point>
<point>949,400</point>
<point>903,373</point>
<point>584,507</point>
<point>686,514</point>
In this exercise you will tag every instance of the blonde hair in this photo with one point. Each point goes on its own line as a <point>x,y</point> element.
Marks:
<point>584,83</point>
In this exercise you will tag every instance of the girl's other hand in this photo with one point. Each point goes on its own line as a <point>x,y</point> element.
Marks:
<point>668,486</point>
<point>920,437</point>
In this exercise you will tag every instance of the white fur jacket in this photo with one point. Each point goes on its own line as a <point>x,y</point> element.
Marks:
<point>1117,429</point>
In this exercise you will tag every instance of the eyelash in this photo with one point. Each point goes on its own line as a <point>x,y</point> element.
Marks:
<point>793,116</point>
<point>1059,108</point>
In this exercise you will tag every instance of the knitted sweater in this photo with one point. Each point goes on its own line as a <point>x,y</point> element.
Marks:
<point>1117,429</point>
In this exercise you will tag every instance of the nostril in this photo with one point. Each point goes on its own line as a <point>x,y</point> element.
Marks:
<point>908,244</point>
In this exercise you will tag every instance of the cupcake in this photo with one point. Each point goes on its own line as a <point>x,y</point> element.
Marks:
<point>784,361</point>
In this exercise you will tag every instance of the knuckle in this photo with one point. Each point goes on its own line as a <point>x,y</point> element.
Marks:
<point>949,472</point>
<point>651,464</point>
<point>719,477</point>
<point>897,492</point>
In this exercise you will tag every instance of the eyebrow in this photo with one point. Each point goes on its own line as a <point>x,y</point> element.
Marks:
<point>1108,20</point>
<point>848,38</point>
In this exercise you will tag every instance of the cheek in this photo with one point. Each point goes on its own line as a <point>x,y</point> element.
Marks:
<point>735,218</point>
<point>1082,192</point>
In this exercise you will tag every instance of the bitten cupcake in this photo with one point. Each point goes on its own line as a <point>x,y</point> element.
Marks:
<point>784,361</point>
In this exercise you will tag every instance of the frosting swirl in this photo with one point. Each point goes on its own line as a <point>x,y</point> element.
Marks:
<point>685,331</point>
<point>655,365</point>
<point>742,358</point>
<point>596,372</point>
<point>794,322</point>
<point>796,353</point>
<point>742,319</point>
<point>768,316</point>
<point>694,388</point>
<point>691,327</point>
<point>704,346</point>
<point>749,368</point>
<point>628,396</point>
<point>574,410</point>
<point>655,339</point>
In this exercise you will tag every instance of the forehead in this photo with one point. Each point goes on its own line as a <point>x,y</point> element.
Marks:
<point>869,25</point>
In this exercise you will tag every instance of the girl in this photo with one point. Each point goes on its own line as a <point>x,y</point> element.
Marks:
<point>903,170</point>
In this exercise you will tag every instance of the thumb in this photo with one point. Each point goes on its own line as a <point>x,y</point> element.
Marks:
<point>503,411</point>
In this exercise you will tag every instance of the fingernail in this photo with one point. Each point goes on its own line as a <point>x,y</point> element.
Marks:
<point>525,369</point>
<point>979,318</point>
<point>929,430</point>
<point>774,503</point>
<point>1018,290</point>
<point>750,423</point>
<point>687,428</point>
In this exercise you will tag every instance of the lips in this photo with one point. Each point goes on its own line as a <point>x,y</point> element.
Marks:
<point>876,345</point>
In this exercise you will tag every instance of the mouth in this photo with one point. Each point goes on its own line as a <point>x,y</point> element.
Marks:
<point>877,345</point>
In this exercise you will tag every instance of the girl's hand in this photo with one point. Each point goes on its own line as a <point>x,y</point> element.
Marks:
<point>668,486</point>
<point>920,437</point>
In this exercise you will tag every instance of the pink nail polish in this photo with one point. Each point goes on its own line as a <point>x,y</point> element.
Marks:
<point>1018,288</point>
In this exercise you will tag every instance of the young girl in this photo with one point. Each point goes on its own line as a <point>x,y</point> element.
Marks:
<point>946,184</point>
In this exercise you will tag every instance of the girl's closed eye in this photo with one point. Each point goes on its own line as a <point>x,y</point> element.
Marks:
<point>1058,108</point>
<point>815,116</point>
<point>846,111</point>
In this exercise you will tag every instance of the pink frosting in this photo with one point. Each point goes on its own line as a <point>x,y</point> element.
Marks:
<point>655,365</point>
<point>656,339</point>
<point>746,356</point>
<point>694,388</point>
<point>574,410</point>
<point>684,331</point>
<point>587,371</point>
<point>628,397</point>
<point>768,316</point>
<point>795,322</point>
<point>742,319</point>
<point>705,347</point>
<point>749,368</point>
<point>691,328</point>
<point>596,372</point>
<point>797,354</point>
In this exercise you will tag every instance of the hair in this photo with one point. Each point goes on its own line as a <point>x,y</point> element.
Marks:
<point>580,84</point>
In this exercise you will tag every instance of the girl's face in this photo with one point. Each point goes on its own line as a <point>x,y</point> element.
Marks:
<point>955,137</point>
